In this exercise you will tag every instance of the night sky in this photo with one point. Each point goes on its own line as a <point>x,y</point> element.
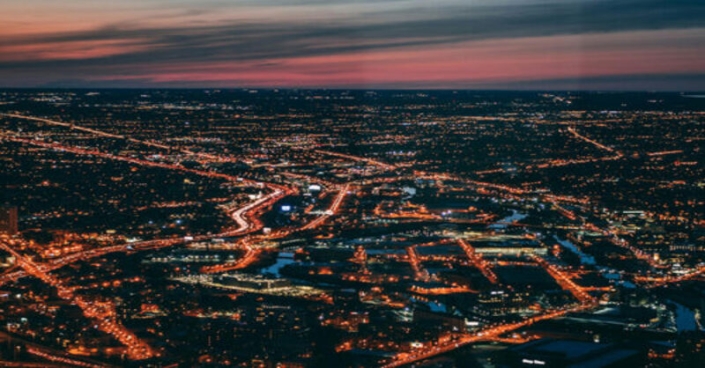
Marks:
<point>483,44</point>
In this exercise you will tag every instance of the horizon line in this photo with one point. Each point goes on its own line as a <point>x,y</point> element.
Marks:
<point>430,89</point>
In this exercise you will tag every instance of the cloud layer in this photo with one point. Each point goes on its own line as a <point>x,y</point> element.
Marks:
<point>298,43</point>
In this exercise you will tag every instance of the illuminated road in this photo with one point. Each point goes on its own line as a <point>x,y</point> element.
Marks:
<point>332,210</point>
<point>244,227</point>
<point>570,215</point>
<point>40,353</point>
<point>66,125</point>
<point>478,261</point>
<point>252,253</point>
<point>564,280</point>
<point>616,240</point>
<point>238,215</point>
<point>307,178</point>
<point>279,191</point>
<point>401,359</point>
<point>664,153</point>
<point>57,263</point>
<point>247,221</point>
<point>567,199</point>
<point>593,142</point>
<point>241,215</point>
<point>474,183</point>
<point>415,263</point>
<point>102,313</point>
<point>358,158</point>
<point>562,162</point>
<point>570,162</point>
<point>58,357</point>
<point>492,333</point>
<point>654,282</point>
<point>132,160</point>
<point>105,134</point>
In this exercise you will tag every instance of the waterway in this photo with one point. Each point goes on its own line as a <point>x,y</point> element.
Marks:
<point>435,306</point>
<point>584,258</point>
<point>515,216</point>
<point>283,259</point>
<point>685,318</point>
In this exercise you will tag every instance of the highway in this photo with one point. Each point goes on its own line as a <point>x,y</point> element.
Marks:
<point>333,209</point>
<point>243,216</point>
<point>101,313</point>
<point>595,143</point>
<point>105,134</point>
<point>251,255</point>
<point>252,252</point>
<point>380,164</point>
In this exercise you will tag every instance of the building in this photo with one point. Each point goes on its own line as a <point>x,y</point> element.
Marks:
<point>564,353</point>
<point>690,349</point>
<point>508,247</point>
<point>256,282</point>
<point>8,220</point>
<point>435,319</point>
<point>501,303</point>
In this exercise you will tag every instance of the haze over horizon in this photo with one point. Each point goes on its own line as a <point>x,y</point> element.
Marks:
<point>454,44</point>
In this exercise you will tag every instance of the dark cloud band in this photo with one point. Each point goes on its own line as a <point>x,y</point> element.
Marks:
<point>391,29</point>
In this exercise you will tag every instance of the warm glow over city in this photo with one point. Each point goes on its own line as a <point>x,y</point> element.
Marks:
<point>393,183</point>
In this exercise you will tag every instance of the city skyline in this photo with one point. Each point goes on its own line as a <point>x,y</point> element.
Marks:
<point>320,228</point>
<point>511,44</point>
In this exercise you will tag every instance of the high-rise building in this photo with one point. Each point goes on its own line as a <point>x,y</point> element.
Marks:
<point>8,220</point>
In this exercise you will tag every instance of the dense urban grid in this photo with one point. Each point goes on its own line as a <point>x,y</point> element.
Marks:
<point>326,228</point>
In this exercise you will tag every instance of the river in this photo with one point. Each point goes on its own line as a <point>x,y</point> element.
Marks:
<point>584,258</point>
<point>685,318</point>
<point>283,259</point>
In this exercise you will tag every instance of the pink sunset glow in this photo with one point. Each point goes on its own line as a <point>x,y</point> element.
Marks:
<point>335,45</point>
